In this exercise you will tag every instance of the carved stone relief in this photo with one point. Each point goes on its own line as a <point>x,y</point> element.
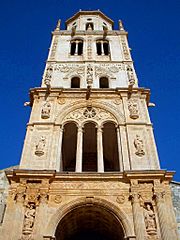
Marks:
<point>45,112</point>
<point>139,146</point>
<point>29,218</point>
<point>39,151</point>
<point>82,114</point>
<point>125,48</point>
<point>133,109</point>
<point>150,219</point>
<point>48,75</point>
<point>130,75</point>
<point>121,199</point>
<point>89,48</point>
<point>89,75</point>
<point>70,69</point>
<point>54,47</point>
<point>57,198</point>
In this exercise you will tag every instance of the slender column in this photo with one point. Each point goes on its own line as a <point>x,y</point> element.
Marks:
<point>59,164</point>
<point>163,217</point>
<point>79,149</point>
<point>76,48</point>
<point>138,217</point>
<point>100,150</point>
<point>102,48</point>
<point>121,168</point>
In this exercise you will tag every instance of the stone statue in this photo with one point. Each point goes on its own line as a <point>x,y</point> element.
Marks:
<point>138,143</point>
<point>29,217</point>
<point>40,146</point>
<point>45,113</point>
<point>133,109</point>
<point>150,220</point>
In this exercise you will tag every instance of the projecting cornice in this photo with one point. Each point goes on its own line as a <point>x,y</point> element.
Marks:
<point>95,12</point>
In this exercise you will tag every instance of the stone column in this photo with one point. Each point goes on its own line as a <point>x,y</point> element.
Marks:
<point>138,217</point>
<point>100,160</point>
<point>76,48</point>
<point>79,149</point>
<point>121,168</point>
<point>59,163</point>
<point>102,48</point>
<point>163,217</point>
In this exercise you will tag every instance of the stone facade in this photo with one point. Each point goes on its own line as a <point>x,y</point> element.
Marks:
<point>89,166</point>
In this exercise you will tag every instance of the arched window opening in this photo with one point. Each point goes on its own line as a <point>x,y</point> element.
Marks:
<point>73,48</point>
<point>103,82</point>
<point>75,82</point>
<point>69,145</point>
<point>106,48</point>
<point>98,46</point>
<point>110,148</point>
<point>76,47</point>
<point>102,46</point>
<point>89,148</point>
<point>89,26</point>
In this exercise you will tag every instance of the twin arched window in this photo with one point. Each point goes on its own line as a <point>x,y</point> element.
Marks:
<point>103,82</point>
<point>76,47</point>
<point>102,47</point>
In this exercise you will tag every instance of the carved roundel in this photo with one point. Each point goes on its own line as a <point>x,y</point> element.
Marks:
<point>89,113</point>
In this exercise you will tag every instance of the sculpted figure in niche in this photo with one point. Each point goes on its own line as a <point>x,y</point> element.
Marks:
<point>150,219</point>
<point>29,219</point>
<point>133,109</point>
<point>138,143</point>
<point>45,113</point>
<point>40,146</point>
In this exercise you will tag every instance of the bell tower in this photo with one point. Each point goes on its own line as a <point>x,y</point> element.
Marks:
<point>89,166</point>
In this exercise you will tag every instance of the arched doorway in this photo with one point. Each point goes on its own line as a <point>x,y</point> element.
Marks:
<point>89,222</point>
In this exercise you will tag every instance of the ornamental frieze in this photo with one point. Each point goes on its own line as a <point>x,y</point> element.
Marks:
<point>92,113</point>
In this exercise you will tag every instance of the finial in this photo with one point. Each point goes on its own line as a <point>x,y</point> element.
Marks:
<point>58,25</point>
<point>121,27</point>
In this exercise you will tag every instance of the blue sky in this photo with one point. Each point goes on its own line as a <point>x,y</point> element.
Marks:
<point>154,36</point>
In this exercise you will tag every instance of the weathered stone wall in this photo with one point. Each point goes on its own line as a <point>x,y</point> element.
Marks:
<point>175,188</point>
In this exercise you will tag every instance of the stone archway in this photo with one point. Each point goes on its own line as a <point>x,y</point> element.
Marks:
<point>89,222</point>
<point>93,217</point>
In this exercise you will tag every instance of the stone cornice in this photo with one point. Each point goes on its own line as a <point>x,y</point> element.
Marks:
<point>127,176</point>
<point>94,33</point>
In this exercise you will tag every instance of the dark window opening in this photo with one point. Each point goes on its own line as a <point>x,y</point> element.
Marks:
<point>106,48</point>
<point>103,82</point>
<point>73,48</point>
<point>69,145</point>
<point>98,46</point>
<point>89,26</point>
<point>90,148</point>
<point>80,48</point>
<point>76,47</point>
<point>110,148</point>
<point>75,82</point>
